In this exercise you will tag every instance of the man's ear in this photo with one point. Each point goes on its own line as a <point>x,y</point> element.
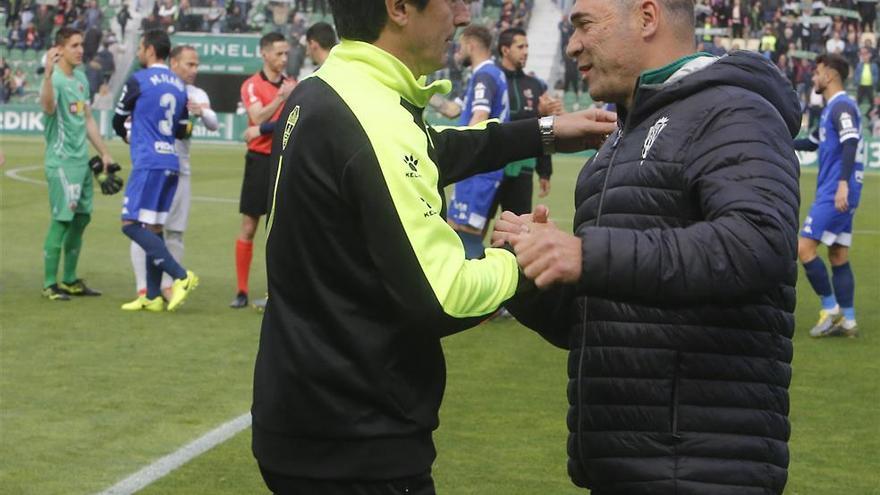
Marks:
<point>398,12</point>
<point>649,17</point>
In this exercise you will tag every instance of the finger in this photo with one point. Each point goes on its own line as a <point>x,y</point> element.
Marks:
<point>509,216</point>
<point>503,226</point>
<point>501,238</point>
<point>605,116</point>
<point>547,278</point>
<point>541,214</point>
<point>536,266</point>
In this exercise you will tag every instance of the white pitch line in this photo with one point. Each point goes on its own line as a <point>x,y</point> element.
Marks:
<point>15,174</point>
<point>141,479</point>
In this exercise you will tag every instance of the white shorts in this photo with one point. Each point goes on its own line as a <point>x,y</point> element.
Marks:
<point>179,212</point>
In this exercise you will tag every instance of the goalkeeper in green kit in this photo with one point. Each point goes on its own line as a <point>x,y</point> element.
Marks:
<point>67,120</point>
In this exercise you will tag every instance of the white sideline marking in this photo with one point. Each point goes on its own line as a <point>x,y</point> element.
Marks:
<point>141,479</point>
<point>15,174</point>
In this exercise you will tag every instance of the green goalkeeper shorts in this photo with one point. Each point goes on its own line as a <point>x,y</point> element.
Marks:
<point>70,192</point>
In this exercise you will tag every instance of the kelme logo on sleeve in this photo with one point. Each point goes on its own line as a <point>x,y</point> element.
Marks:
<point>413,164</point>
<point>292,119</point>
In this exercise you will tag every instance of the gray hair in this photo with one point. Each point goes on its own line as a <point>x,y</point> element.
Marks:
<point>681,12</point>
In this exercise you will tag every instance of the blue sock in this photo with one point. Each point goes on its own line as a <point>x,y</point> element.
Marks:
<point>845,289</point>
<point>157,253</point>
<point>818,277</point>
<point>154,277</point>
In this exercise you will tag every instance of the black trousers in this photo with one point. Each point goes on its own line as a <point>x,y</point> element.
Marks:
<point>514,194</point>
<point>865,93</point>
<point>422,484</point>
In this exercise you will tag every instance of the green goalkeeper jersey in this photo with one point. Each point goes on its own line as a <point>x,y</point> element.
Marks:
<point>65,130</point>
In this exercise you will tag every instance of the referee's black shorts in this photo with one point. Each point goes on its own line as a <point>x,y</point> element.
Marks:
<point>255,192</point>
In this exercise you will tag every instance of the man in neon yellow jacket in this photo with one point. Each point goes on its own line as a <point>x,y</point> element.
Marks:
<point>365,275</point>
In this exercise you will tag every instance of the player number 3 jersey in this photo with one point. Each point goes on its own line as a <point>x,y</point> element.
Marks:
<point>156,99</point>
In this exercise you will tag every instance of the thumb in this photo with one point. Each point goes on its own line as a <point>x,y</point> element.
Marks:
<point>541,214</point>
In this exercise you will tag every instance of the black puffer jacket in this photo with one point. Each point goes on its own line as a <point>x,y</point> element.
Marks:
<point>680,329</point>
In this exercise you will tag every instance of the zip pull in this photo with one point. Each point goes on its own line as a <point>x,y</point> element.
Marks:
<point>617,139</point>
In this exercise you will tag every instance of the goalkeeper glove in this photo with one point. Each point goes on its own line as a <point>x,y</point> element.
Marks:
<point>110,183</point>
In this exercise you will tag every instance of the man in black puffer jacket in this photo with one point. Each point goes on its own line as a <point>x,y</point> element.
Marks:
<point>675,295</point>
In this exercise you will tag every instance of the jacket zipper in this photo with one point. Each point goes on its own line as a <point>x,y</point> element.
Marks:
<point>580,427</point>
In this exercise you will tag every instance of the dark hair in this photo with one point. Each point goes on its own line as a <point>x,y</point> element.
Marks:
<point>322,34</point>
<point>64,34</point>
<point>269,39</point>
<point>836,63</point>
<point>177,50</point>
<point>479,33</point>
<point>363,20</point>
<point>505,39</point>
<point>160,42</point>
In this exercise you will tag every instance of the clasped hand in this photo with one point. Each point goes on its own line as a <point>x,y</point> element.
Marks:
<point>546,254</point>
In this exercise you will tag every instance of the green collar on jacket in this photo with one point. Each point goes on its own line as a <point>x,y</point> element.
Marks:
<point>385,68</point>
<point>661,74</point>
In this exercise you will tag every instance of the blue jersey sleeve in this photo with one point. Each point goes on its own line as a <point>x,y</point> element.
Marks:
<point>130,93</point>
<point>845,119</point>
<point>485,89</point>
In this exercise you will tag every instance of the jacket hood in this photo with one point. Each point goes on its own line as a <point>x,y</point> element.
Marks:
<point>746,70</point>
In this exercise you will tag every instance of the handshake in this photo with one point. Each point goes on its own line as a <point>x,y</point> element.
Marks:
<point>546,254</point>
<point>108,180</point>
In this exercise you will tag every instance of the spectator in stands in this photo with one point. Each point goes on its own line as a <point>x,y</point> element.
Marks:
<point>868,12</point>
<point>215,16</point>
<point>803,77</point>
<point>737,19</point>
<point>19,82</point>
<point>167,14</point>
<point>188,21</point>
<point>768,42</point>
<point>32,38</point>
<point>94,16</point>
<point>835,44</point>
<point>757,19</point>
<point>71,13</point>
<point>785,66</point>
<point>15,38</point>
<point>851,49</point>
<point>869,44</point>
<point>45,21</point>
<point>26,14</point>
<point>5,81</point>
<point>320,38</point>
<point>867,75</point>
<point>243,7</point>
<point>235,21</point>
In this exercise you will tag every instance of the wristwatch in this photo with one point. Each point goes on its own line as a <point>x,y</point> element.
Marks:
<point>548,137</point>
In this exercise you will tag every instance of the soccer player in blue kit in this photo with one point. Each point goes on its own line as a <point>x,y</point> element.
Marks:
<point>155,99</point>
<point>486,98</point>
<point>838,188</point>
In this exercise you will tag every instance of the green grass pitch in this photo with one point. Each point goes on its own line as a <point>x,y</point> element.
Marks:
<point>89,394</point>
